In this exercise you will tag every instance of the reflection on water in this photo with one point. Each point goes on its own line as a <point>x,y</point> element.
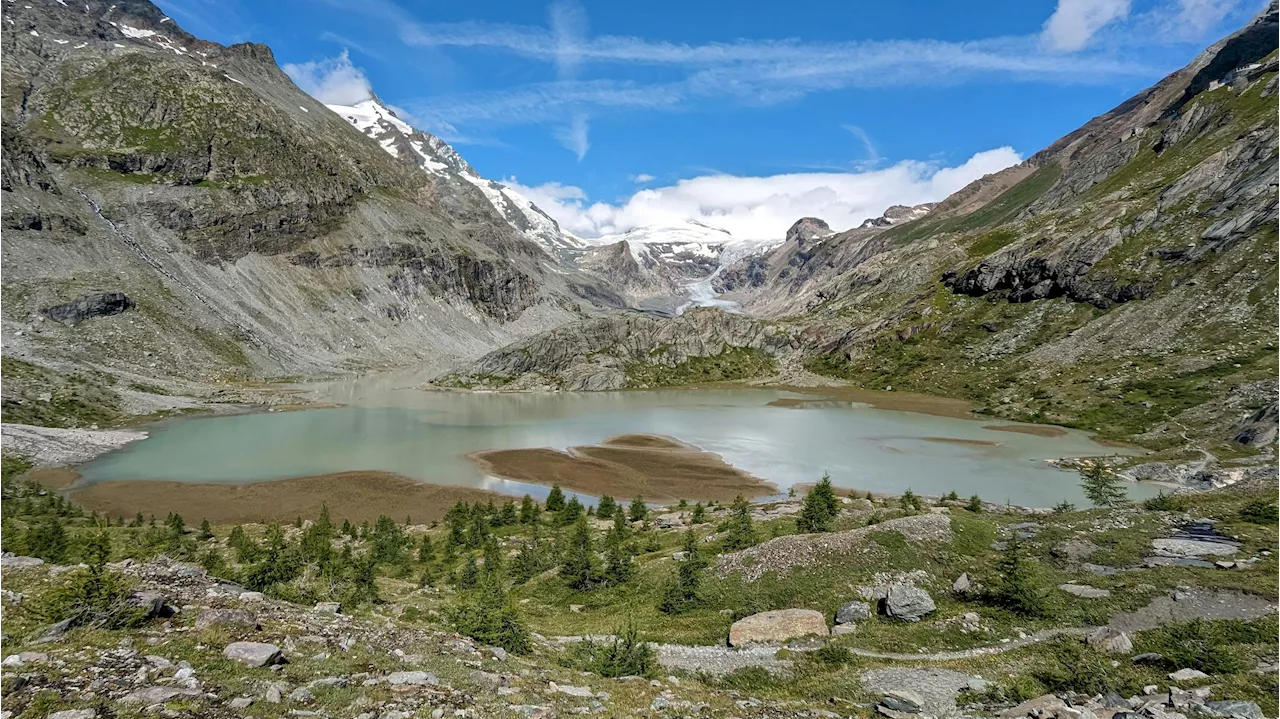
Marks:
<point>427,435</point>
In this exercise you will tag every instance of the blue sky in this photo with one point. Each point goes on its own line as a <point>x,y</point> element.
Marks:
<point>616,114</point>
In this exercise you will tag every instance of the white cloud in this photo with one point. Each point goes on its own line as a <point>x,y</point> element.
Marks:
<point>574,137</point>
<point>1195,17</point>
<point>1075,21</point>
<point>764,207</point>
<point>643,178</point>
<point>873,155</point>
<point>333,80</point>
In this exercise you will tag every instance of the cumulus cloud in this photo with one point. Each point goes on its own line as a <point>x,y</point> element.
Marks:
<point>333,80</point>
<point>1075,21</point>
<point>763,208</point>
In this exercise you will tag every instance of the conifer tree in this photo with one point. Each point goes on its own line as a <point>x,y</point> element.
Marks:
<point>605,507</point>
<point>206,532</point>
<point>47,540</point>
<point>909,501</point>
<point>1103,487</point>
<point>639,510</point>
<point>363,585</point>
<point>820,508</point>
<point>470,575</point>
<point>740,530</point>
<point>529,510</point>
<point>699,514</point>
<point>975,504</point>
<point>579,567</point>
<point>492,557</point>
<point>572,510</point>
<point>426,551</point>
<point>508,516</point>
<point>1017,586</point>
<point>555,500</point>
<point>683,593</point>
<point>489,618</point>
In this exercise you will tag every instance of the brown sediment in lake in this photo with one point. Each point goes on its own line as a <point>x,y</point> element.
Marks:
<point>357,496</point>
<point>903,401</point>
<point>1039,430</point>
<point>653,467</point>
<point>53,477</point>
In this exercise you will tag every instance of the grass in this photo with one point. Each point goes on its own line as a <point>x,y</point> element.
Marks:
<point>733,363</point>
<point>49,398</point>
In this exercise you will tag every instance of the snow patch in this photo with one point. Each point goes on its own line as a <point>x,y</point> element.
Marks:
<point>135,32</point>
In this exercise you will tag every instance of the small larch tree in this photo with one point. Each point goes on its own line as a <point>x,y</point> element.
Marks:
<point>639,510</point>
<point>820,507</point>
<point>683,593</point>
<point>579,567</point>
<point>740,530</point>
<point>1102,486</point>
<point>555,499</point>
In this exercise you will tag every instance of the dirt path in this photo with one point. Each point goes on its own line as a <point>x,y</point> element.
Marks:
<point>1009,646</point>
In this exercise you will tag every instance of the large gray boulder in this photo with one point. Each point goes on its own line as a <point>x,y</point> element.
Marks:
<point>98,304</point>
<point>254,654</point>
<point>1110,640</point>
<point>910,604</point>
<point>1235,709</point>
<point>777,626</point>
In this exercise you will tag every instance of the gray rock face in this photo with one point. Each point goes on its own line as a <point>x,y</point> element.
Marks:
<point>853,611</point>
<point>98,304</point>
<point>254,654</point>
<point>593,355</point>
<point>1235,709</point>
<point>806,230</point>
<point>910,604</point>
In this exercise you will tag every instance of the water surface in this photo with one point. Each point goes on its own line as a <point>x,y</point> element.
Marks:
<point>427,435</point>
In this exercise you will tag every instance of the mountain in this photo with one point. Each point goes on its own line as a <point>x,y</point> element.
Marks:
<point>435,156</point>
<point>243,229</point>
<point>1122,280</point>
<point>668,267</point>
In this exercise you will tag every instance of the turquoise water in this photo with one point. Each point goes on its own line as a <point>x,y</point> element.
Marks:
<point>427,435</point>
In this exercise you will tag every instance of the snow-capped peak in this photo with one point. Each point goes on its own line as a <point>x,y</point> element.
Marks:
<point>433,155</point>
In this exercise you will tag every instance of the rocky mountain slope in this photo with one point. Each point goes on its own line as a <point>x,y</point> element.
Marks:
<point>251,231</point>
<point>1122,280</point>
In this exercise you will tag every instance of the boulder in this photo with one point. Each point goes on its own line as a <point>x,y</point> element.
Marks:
<point>840,629</point>
<point>12,561</point>
<point>777,626</point>
<point>255,654</point>
<point>1075,549</point>
<point>156,604</point>
<point>74,714</point>
<point>1109,640</point>
<point>1045,705</point>
<point>1188,675</point>
<point>329,607</point>
<point>1084,591</point>
<point>853,611</point>
<point>97,304</point>
<point>962,585</point>
<point>235,619</point>
<point>910,604</point>
<point>902,700</point>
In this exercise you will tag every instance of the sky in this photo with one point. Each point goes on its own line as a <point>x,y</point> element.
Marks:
<point>743,115</point>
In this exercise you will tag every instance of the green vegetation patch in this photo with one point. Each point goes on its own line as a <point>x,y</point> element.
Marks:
<point>734,363</point>
<point>48,398</point>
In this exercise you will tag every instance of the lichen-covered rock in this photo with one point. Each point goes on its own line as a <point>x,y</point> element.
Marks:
<point>254,654</point>
<point>910,604</point>
<point>777,626</point>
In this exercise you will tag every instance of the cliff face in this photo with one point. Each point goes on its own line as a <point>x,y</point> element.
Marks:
<point>252,231</point>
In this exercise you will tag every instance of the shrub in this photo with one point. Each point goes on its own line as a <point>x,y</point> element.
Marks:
<point>683,593</point>
<point>95,597</point>
<point>639,510</point>
<point>975,504</point>
<point>1260,512</point>
<point>1073,666</point>
<point>1211,646</point>
<point>625,656</point>
<point>489,618</point>
<point>1017,586</point>
<point>739,529</point>
<point>1166,503</point>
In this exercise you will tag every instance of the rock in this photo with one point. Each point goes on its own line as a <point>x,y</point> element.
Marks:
<point>853,611</point>
<point>1235,709</point>
<point>1075,549</point>
<point>74,714</point>
<point>903,701</point>
<point>1193,547</point>
<point>55,631</point>
<point>572,690</point>
<point>98,304</point>
<point>241,703</point>
<point>254,654</point>
<point>486,680</point>
<point>1084,591</point>
<point>1109,640</point>
<point>252,596</point>
<point>414,677</point>
<point>238,619</point>
<point>10,560</point>
<point>301,695</point>
<point>329,607</point>
<point>910,604</point>
<point>147,696</point>
<point>841,629</point>
<point>156,604</point>
<point>1076,713</point>
<point>1045,705</point>
<point>273,694</point>
<point>962,585</point>
<point>1187,675</point>
<point>1147,657</point>
<point>777,626</point>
